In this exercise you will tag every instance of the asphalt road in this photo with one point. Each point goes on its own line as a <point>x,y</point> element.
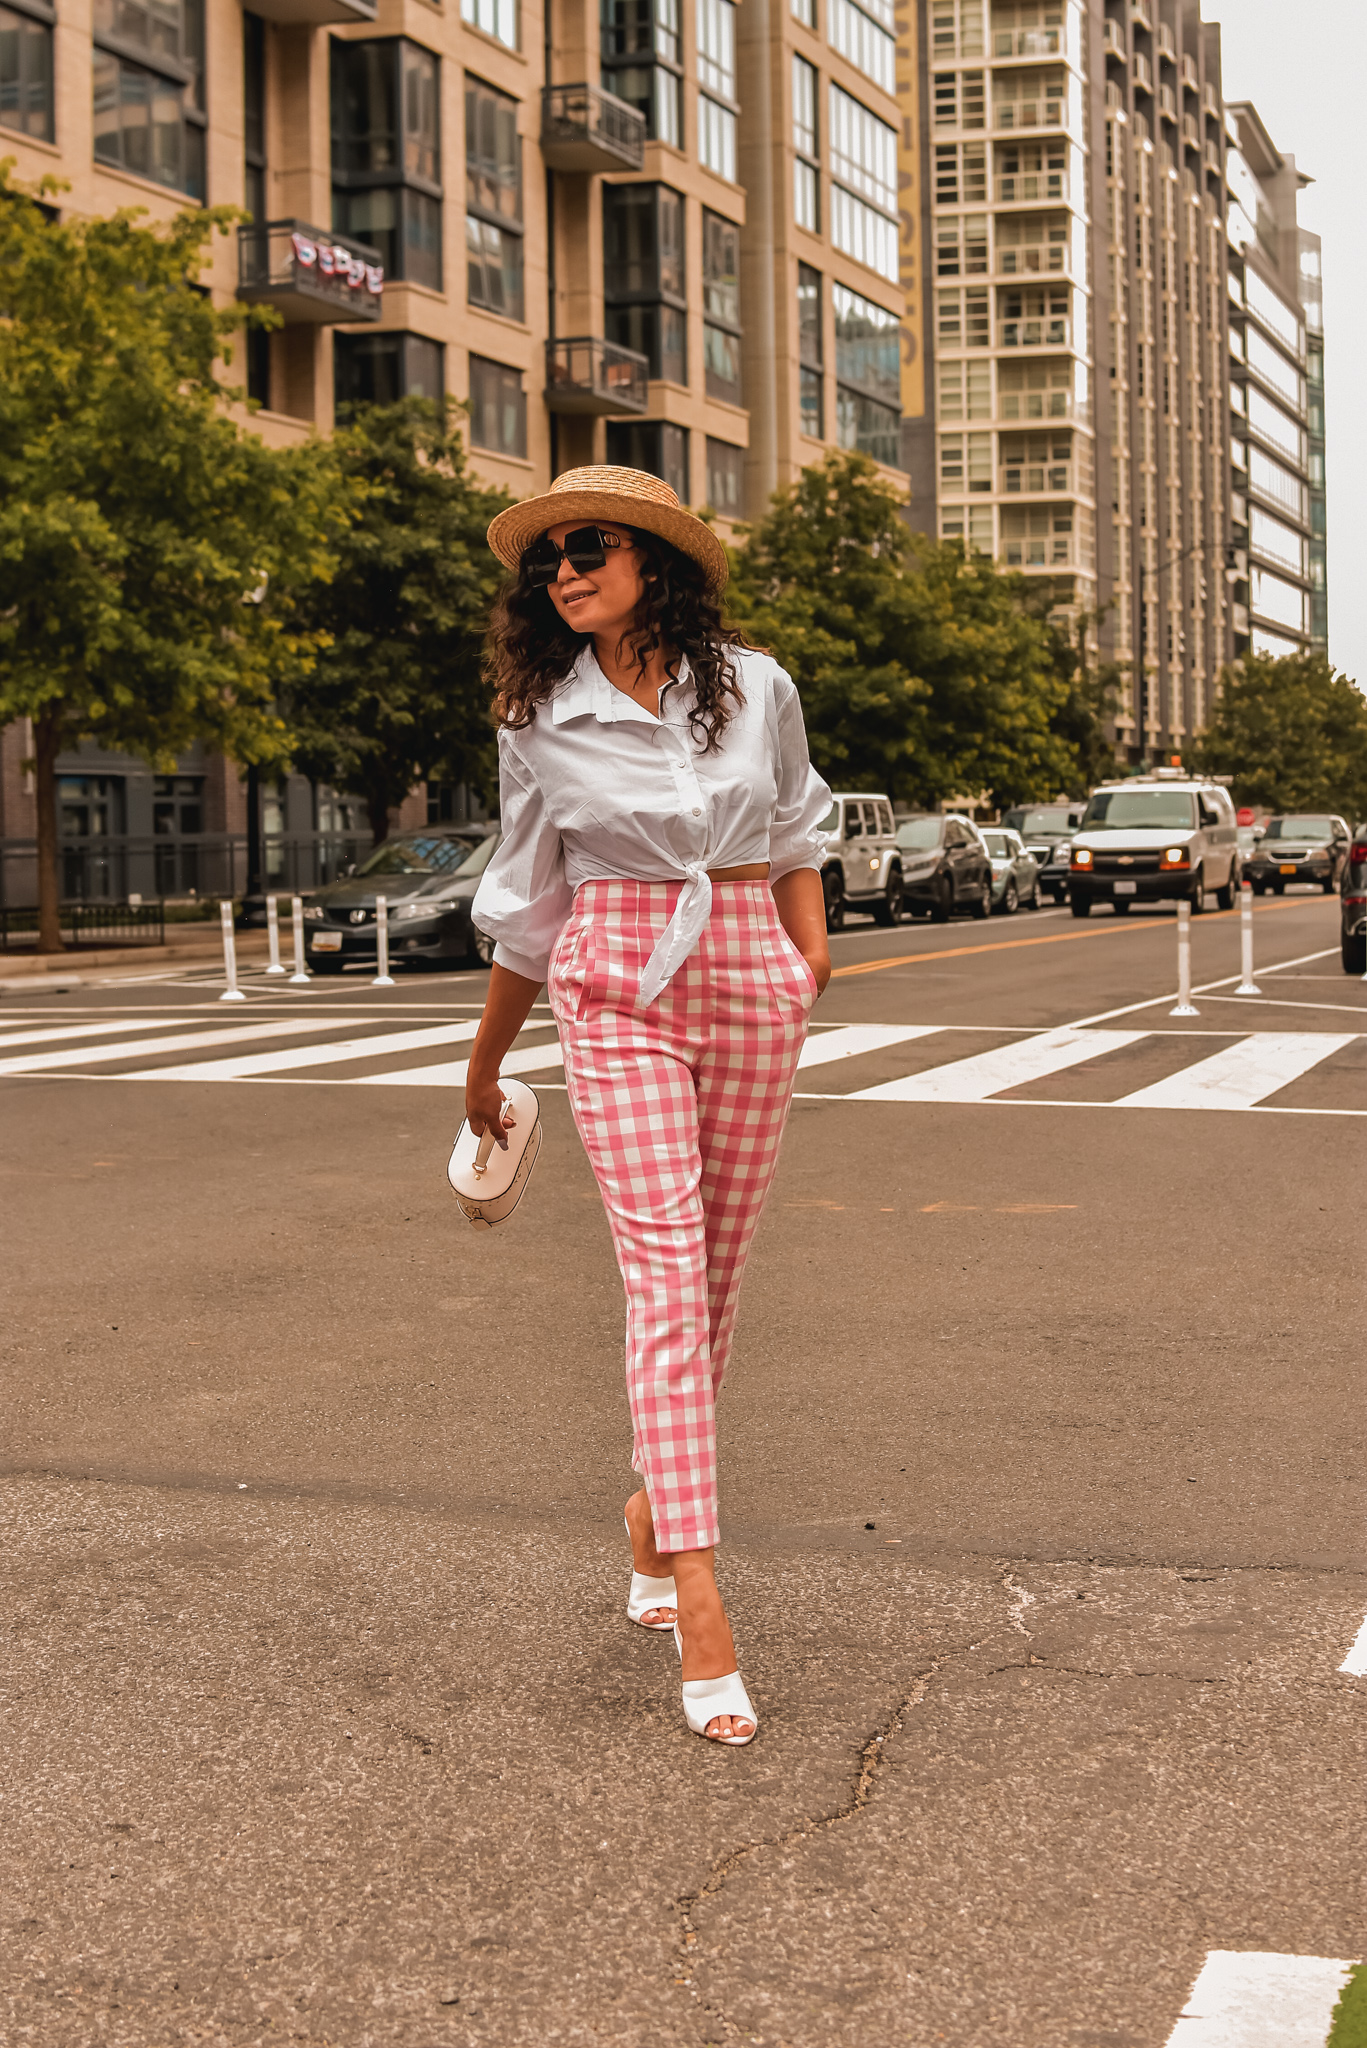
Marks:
<point>322,1719</point>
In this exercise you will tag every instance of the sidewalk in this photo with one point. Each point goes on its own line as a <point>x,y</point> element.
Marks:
<point>201,945</point>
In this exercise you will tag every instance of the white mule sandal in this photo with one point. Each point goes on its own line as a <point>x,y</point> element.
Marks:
<point>648,1594</point>
<point>705,1698</point>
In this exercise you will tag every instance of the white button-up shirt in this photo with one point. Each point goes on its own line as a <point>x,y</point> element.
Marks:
<point>597,789</point>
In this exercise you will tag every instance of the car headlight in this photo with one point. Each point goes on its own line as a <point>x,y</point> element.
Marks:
<point>1082,856</point>
<point>1174,857</point>
<point>404,910</point>
<point>314,912</point>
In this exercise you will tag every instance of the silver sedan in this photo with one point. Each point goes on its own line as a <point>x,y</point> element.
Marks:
<point>1015,873</point>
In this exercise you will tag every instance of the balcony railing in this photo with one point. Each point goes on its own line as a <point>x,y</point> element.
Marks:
<point>588,375</point>
<point>1189,77</point>
<point>1027,478</point>
<point>584,128</point>
<point>1036,113</point>
<point>1022,187</point>
<point>1143,72</point>
<point>1035,259</point>
<point>1112,42</point>
<point>1027,42</point>
<point>1213,158</point>
<point>1140,15</point>
<point>1048,333</point>
<point>315,278</point>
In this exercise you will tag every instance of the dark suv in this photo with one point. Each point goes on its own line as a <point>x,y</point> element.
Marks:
<point>945,866</point>
<point>428,879</point>
<point>1299,847</point>
<point>1047,830</point>
<point>1354,902</point>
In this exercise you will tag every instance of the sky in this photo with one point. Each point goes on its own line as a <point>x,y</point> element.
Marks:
<point>1302,65</point>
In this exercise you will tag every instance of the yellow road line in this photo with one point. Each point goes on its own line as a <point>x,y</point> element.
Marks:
<point>1102,931</point>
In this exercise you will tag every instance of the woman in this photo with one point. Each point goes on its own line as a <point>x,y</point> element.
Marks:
<point>660,872</point>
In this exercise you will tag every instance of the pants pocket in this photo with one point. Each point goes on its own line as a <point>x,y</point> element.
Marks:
<point>789,974</point>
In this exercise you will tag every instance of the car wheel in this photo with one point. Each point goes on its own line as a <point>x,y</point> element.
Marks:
<point>1228,897</point>
<point>1121,905</point>
<point>1278,888</point>
<point>1011,901</point>
<point>1081,906</point>
<point>1355,952</point>
<point>481,947</point>
<point>982,906</point>
<point>1330,887</point>
<point>1032,900</point>
<point>889,909</point>
<point>1197,897</point>
<point>942,902</point>
<point>833,889</point>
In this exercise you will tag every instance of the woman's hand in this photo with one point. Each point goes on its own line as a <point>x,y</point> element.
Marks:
<point>506,1009</point>
<point>801,907</point>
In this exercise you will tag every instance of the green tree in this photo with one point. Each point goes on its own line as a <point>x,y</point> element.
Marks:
<point>922,670</point>
<point>147,543</point>
<point>1292,731</point>
<point>398,696</point>
<point>1092,691</point>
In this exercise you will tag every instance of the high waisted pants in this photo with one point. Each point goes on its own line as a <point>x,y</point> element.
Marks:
<point>681,1107</point>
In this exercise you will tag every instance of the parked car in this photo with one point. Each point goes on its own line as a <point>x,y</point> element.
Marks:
<point>1354,904</point>
<point>1152,838</point>
<point>428,879</point>
<point>861,868</point>
<point>945,866</point>
<point>1047,831</point>
<point>1300,847</point>
<point>1015,873</point>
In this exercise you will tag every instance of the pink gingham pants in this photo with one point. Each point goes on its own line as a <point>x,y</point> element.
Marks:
<point>681,1108</point>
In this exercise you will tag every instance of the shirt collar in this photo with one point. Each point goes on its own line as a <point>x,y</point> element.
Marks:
<point>587,690</point>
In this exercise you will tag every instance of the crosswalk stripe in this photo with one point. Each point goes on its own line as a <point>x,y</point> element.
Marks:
<point>849,1040</point>
<point>1009,1066</point>
<point>1254,1999</point>
<point>253,1066</point>
<point>135,1048</point>
<point>525,1060</point>
<point>70,1031</point>
<point>1242,1074</point>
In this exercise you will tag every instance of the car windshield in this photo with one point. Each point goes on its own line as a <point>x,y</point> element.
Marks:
<point>1247,838</point>
<point>998,845</point>
<point>913,833</point>
<point>421,853</point>
<point>1317,829</point>
<point>1139,810</point>
<point>1054,819</point>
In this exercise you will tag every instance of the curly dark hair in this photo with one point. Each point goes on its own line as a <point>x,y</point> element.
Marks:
<point>530,648</point>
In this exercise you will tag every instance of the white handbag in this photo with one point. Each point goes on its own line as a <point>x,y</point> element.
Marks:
<point>486,1180</point>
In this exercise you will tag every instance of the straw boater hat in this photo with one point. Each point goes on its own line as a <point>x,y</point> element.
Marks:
<point>622,497</point>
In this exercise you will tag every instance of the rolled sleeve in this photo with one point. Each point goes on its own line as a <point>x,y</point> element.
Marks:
<point>523,898</point>
<point>803,798</point>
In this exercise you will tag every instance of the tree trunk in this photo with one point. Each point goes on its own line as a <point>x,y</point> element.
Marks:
<point>47,734</point>
<point>255,864</point>
<point>377,809</point>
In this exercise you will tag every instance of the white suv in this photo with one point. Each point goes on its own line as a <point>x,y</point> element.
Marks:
<point>862,867</point>
<point>1154,837</point>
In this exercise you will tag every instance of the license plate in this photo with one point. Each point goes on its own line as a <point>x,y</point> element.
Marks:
<point>1288,868</point>
<point>1126,888</point>
<point>326,942</point>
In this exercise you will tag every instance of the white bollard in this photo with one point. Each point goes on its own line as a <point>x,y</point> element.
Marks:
<point>1185,1006</point>
<point>273,935</point>
<point>232,993</point>
<point>301,973</point>
<point>384,979</point>
<point>1248,986</point>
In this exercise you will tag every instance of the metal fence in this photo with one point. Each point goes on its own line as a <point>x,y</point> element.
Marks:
<point>114,869</point>
<point>88,924</point>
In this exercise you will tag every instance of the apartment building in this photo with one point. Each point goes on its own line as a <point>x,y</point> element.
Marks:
<point>659,232</point>
<point>1276,343</point>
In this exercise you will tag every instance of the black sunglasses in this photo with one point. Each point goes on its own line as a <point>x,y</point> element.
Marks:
<point>585,548</point>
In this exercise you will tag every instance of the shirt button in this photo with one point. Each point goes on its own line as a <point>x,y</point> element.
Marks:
<point>697,814</point>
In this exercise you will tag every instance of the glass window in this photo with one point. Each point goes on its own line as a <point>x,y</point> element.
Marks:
<point>869,48</point>
<point>717,47</point>
<point>386,154</point>
<point>642,62</point>
<point>804,11</point>
<point>26,75</point>
<point>141,125</point>
<point>809,347</point>
<point>91,806</point>
<point>644,275</point>
<point>1150,810</point>
<point>721,307</point>
<point>864,424</point>
<point>867,346</point>
<point>717,138</point>
<point>377,369</point>
<point>657,446</point>
<point>493,199</point>
<point>497,18</point>
<point>657,331</point>
<point>725,478</point>
<point>498,408</point>
<point>863,205</point>
<point>804,107</point>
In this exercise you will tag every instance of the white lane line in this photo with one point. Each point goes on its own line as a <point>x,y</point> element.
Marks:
<point>107,1030</point>
<point>987,1073</point>
<point>1255,2000</point>
<point>525,1060</point>
<point>254,1065</point>
<point>148,1047</point>
<point>848,1040</point>
<point>1128,1009</point>
<point>1355,1663</point>
<point>1242,1074</point>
